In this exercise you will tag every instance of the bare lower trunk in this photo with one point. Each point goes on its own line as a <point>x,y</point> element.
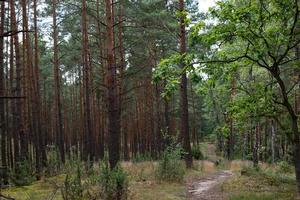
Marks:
<point>273,140</point>
<point>296,141</point>
<point>255,148</point>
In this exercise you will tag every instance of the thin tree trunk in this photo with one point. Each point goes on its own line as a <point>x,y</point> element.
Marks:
<point>89,142</point>
<point>57,91</point>
<point>194,128</point>
<point>256,145</point>
<point>3,125</point>
<point>17,108</point>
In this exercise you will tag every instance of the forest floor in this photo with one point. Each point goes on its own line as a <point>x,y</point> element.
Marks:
<point>205,181</point>
<point>208,188</point>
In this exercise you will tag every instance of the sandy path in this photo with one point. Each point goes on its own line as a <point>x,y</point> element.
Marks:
<point>208,188</point>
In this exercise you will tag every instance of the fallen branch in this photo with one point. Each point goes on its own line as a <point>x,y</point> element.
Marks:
<point>5,197</point>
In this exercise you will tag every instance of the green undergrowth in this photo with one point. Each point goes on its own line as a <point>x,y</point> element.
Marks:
<point>269,183</point>
<point>142,184</point>
<point>267,196</point>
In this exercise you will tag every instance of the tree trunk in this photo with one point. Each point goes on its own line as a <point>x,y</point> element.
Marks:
<point>112,90</point>
<point>89,141</point>
<point>57,91</point>
<point>3,130</point>
<point>184,129</point>
<point>286,103</point>
<point>273,135</point>
<point>17,108</point>
<point>256,145</point>
<point>296,142</point>
<point>195,140</point>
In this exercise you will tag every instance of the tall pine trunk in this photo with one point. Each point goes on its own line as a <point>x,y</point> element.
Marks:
<point>3,130</point>
<point>17,108</point>
<point>112,90</point>
<point>89,141</point>
<point>59,134</point>
<point>184,129</point>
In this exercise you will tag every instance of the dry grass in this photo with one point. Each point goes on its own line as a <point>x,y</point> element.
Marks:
<point>207,166</point>
<point>264,184</point>
<point>237,165</point>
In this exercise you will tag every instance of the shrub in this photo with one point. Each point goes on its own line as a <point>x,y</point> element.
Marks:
<point>284,167</point>
<point>23,173</point>
<point>250,171</point>
<point>72,162</point>
<point>196,152</point>
<point>73,189</point>
<point>53,160</point>
<point>113,183</point>
<point>268,176</point>
<point>170,167</point>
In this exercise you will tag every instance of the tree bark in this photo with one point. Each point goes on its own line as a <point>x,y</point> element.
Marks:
<point>112,90</point>
<point>3,130</point>
<point>17,108</point>
<point>256,145</point>
<point>275,71</point>
<point>184,129</point>
<point>89,141</point>
<point>57,91</point>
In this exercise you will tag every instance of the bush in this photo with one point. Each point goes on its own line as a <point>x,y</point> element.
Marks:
<point>23,173</point>
<point>196,152</point>
<point>53,160</point>
<point>72,162</point>
<point>250,171</point>
<point>170,167</point>
<point>268,176</point>
<point>284,167</point>
<point>73,189</point>
<point>113,183</point>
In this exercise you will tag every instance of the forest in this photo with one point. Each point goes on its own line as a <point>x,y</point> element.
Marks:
<point>149,99</point>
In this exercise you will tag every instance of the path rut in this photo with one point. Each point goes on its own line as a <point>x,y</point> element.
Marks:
<point>208,188</point>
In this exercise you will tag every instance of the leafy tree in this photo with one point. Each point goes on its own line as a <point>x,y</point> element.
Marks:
<point>258,33</point>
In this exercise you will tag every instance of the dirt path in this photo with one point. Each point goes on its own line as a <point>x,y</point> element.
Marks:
<point>208,188</point>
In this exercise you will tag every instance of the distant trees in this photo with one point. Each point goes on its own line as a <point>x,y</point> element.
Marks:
<point>81,84</point>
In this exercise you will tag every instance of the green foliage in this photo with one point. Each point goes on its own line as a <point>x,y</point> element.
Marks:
<point>284,167</point>
<point>53,160</point>
<point>23,173</point>
<point>169,72</point>
<point>73,188</point>
<point>170,167</point>
<point>113,183</point>
<point>197,153</point>
<point>74,161</point>
<point>268,176</point>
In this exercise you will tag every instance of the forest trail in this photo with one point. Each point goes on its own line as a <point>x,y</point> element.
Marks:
<point>208,188</point>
